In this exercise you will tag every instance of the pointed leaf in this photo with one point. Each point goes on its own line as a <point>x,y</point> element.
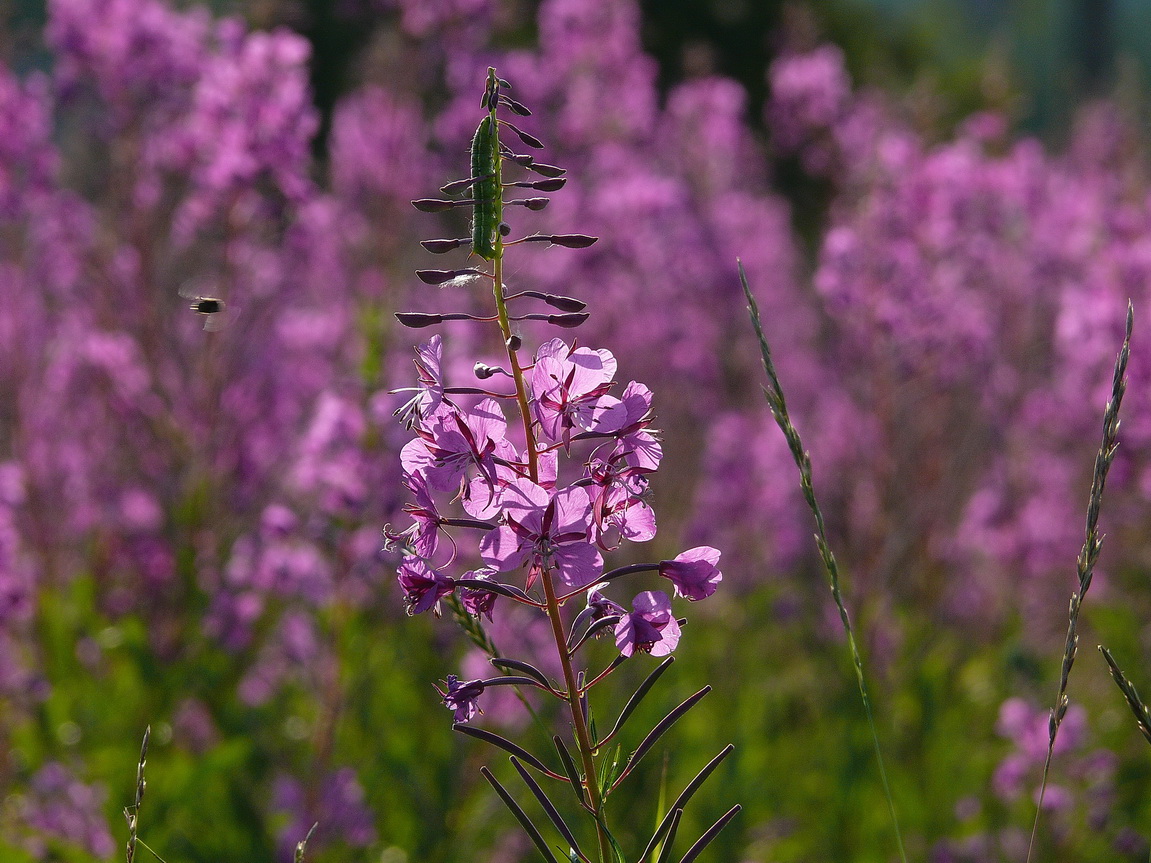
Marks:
<point>712,831</point>
<point>570,769</point>
<point>506,745</point>
<point>503,663</point>
<point>638,695</point>
<point>521,816</point>
<point>548,807</point>
<point>685,796</point>
<point>657,732</point>
<point>665,851</point>
<point>507,590</point>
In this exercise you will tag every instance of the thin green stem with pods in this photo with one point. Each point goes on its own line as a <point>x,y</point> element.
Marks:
<point>778,406</point>
<point>1088,556</point>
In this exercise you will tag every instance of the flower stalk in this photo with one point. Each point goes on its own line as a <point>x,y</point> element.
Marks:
<point>541,512</point>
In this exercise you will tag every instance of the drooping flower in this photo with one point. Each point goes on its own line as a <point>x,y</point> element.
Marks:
<point>462,696</point>
<point>423,586</point>
<point>694,573</point>
<point>650,627</point>
<point>423,535</point>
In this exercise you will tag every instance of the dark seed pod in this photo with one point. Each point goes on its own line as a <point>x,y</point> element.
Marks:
<point>435,205</point>
<point>530,203</point>
<point>546,170</point>
<point>418,320</point>
<point>515,342</point>
<point>530,140</point>
<point>438,247</point>
<point>504,228</point>
<point>438,277</point>
<point>516,107</point>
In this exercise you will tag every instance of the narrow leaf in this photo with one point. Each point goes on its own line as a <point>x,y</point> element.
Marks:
<point>548,807</point>
<point>659,730</point>
<point>506,745</point>
<point>712,831</point>
<point>570,769</point>
<point>685,797</point>
<point>602,623</point>
<point>665,851</point>
<point>507,590</point>
<point>521,816</point>
<point>503,663</point>
<point>638,695</point>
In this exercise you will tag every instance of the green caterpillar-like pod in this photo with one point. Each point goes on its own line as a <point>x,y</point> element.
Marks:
<point>485,189</point>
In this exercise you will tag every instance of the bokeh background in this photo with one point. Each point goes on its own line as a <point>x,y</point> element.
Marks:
<point>943,209</point>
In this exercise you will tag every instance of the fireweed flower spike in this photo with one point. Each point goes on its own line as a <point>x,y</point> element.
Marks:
<point>548,476</point>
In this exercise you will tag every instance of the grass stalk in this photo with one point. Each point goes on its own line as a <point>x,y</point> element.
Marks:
<point>1088,556</point>
<point>778,406</point>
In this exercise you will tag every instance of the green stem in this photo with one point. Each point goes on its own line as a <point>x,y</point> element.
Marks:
<point>583,738</point>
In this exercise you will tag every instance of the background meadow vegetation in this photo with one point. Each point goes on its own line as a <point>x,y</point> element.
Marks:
<point>942,243</point>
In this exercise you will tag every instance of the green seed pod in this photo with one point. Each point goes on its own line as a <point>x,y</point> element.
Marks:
<point>486,189</point>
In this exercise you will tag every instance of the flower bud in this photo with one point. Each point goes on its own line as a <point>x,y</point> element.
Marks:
<point>568,241</point>
<point>546,170</point>
<point>530,203</point>
<point>438,247</point>
<point>530,140</point>
<point>418,320</point>
<point>460,185</point>
<point>436,205</point>
<point>516,107</point>
<point>438,277</point>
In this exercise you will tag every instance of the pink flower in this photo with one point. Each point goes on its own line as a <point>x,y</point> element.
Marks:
<point>650,628</point>
<point>694,573</point>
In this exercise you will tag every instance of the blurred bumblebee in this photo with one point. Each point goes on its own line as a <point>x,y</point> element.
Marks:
<point>213,309</point>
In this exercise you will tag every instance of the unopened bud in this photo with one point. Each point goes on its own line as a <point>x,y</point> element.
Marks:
<point>521,159</point>
<point>438,247</point>
<point>504,228</point>
<point>517,107</point>
<point>418,320</point>
<point>568,321</point>
<point>546,170</point>
<point>568,241</point>
<point>514,343</point>
<point>436,205</point>
<point>460,185</point>
<point>530,140</point>
<point>565,304</point>
<point>531,203</point>
<point>484,371</point>
<point>438,277</point>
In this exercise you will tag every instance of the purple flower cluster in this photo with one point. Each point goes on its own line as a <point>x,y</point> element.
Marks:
<point>551,524</point>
